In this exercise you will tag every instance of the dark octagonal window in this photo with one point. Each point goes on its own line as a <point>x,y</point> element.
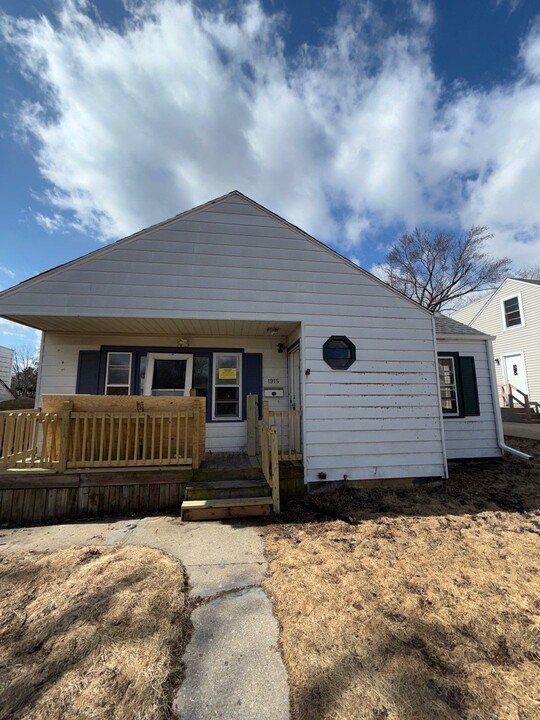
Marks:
<point>339,352</point>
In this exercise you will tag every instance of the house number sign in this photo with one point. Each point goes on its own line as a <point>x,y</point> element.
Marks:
<point>272,381</point>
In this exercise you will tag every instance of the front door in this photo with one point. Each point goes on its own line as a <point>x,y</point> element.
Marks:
<point>168,374</point>
<point>515,373</point>
<point>295,384</point>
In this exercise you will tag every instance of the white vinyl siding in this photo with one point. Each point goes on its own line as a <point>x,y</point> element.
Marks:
<point>233,261</point>
<point>524,338</point>
<point>473,436</point>
<point>6,368</point>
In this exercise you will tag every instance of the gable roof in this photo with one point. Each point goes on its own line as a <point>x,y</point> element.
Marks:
<point>186,215</point>
<point>525,280</point>
<point>445,325</point>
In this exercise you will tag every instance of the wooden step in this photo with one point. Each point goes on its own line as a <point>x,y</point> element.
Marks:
<point>224,489</point>
<point>215,509</point>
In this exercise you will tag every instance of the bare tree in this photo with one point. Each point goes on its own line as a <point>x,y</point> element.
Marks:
<point>530,273</point>
<point>25,372</point>
<point>438,269</point>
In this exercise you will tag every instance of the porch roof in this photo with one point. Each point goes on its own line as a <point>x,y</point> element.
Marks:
<point>158,326</point>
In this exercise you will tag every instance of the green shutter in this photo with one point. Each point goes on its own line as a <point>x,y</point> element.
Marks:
<point>469,386</point>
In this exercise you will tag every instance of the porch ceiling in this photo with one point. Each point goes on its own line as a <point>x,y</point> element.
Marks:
<point>157,326</point>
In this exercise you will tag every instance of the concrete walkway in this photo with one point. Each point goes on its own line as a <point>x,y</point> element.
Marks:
<point>522,430</point>
<point>233,664</point>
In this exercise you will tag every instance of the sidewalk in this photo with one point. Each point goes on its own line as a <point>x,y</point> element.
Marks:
<point>233,664</point>
<point>522,430</point>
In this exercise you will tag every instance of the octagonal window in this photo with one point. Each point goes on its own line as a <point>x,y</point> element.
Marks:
<point>339,352</point>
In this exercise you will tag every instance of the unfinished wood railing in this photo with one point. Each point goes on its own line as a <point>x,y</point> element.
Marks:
<point>509,396</point>
<point>88,439</point>
<point>288,424</point>
<point>29,439</point>
<point>126,439</point>
<point>270,459</point>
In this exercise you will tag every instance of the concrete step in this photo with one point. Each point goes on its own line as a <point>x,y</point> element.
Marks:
<point>216,509</point>
<point>224,489</point>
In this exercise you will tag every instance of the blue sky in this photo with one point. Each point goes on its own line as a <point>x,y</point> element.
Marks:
<point>354,120</point>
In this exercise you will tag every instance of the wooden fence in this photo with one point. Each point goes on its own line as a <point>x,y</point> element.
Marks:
<point>98,439</point>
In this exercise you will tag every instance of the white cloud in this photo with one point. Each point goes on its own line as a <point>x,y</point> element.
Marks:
<point>6,271</point>
<point>182,105</point>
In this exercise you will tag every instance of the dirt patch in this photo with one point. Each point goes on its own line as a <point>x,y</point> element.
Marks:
<point>91,633</point>
<point>428,607</point>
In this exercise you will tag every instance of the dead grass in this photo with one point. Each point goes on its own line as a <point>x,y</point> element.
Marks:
<point>428,609</point>
<point>91,633</point>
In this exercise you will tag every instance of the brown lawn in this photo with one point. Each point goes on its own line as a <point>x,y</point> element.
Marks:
<point>91,633</point>
<point>427,609</point>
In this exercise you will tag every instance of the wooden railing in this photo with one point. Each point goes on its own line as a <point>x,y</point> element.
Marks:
<point>29,439</point>
<point>89,439</point>
<point>270,459</point>
<point>288,424</point>
<point>508,397</point>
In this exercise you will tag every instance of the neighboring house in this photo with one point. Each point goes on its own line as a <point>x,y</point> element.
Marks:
<point>228,299</point>
<point>512,315</point>
<point>6,369</point>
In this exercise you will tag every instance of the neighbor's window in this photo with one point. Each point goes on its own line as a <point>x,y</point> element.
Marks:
<point>227,386</point>
<point>447,380</point>
<point>118,380</point>
<point>512,312</point>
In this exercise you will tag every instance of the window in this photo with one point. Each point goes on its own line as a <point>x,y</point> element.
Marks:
<point>201,375</point>
<point>448,383</point>
<point>118,380</point>
<point>459,387</point>
<point>227,386</point>
<point>339,352</point>
<point>168,374</point>
<point>512,312</point>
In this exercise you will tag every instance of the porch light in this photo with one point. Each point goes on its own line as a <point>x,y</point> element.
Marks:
<point>272,330</point>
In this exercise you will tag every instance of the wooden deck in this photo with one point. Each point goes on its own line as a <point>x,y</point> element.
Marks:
<point>41,496</point>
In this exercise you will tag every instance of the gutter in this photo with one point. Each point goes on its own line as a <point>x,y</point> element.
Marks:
<point>498,419</point>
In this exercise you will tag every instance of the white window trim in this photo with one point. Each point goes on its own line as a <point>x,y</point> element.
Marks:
<point>150,362</point>
<point>445,413</point>
<point>229,418</point>
<point>511,297</point>
<point>121,385</point>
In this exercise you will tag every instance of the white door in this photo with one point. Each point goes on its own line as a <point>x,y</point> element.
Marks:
<point>514,371</point>
<point>168,374</point>
<point>295,384</point>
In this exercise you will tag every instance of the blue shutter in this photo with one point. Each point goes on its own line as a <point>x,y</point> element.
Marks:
<point>253,378</point>
<point>88,372</point>
<point>469,386</point>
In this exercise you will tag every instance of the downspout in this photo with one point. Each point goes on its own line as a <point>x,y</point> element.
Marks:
<point>496,409</point>
<point>439,403</point>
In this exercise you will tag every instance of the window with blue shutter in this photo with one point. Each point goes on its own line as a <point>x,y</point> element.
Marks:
<point>459,388</point>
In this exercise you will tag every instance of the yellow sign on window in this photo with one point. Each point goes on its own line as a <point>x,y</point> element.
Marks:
<point>227,373</point>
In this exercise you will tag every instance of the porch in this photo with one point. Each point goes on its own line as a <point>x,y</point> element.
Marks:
<point>87,456</point>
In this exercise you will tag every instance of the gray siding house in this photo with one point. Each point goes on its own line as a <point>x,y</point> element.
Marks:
<point>228,300</point>
<point>512,316</point>
<point>6,368</point>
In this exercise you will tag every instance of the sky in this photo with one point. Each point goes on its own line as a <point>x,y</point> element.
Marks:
<point>355,120</point>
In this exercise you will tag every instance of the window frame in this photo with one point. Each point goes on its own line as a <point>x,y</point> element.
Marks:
<point>107,368</point>
<point>151,358</point>
<point>454,357</point>
<point>513,296</point>
<point>214,366</point>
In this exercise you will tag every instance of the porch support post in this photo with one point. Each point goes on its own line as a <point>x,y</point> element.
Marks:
<point>195,437</point>
<point>67,406</point>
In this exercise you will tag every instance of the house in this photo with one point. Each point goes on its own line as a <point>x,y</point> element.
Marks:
<point>228,302</point>
<point>512,315</point>
<point>6,368</point>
